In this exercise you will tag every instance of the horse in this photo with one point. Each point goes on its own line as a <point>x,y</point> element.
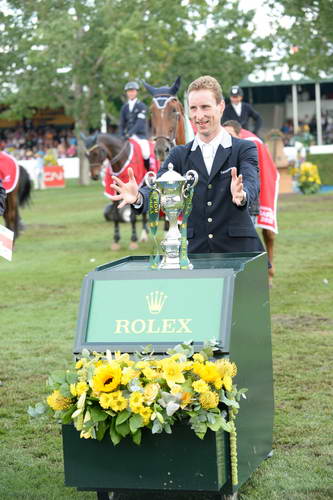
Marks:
<point>17,196</point>
<point>167,118</point>
<point>120,153</point>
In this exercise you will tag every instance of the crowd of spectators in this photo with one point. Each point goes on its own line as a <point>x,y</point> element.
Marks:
<point>25,143</point>
<point>310,125</point>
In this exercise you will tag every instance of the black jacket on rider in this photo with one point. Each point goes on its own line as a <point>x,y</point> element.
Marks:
<point>134,122</point>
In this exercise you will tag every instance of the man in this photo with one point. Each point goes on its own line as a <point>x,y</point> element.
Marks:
<point>133,120</point>
<point>228,178</point>
<point>2,199</point>
<point>241,111</point>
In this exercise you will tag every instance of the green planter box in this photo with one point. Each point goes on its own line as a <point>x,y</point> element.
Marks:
<point>164,462</point>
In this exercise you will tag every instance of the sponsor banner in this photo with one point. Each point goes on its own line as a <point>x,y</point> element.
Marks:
<point>54,176</point>
<point>6,242</point>
<point>163,310</point>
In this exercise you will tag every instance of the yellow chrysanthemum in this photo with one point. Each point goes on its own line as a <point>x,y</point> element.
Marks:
<point>136,401</point>
<point>227,382</point>
<point>58,402</point>
<point>200,386</point>
<point>209,400</point>
<point>198,357</point>
<point>105,401</point>
<point>218,383</point>
<point>209,372</point>
<point>145,413</point>
<point>106,378</point>
<point>150,393</point>
<point>225,367</point>
<point>79,364</point>
<point>81,387</point>
<point>172,372</point>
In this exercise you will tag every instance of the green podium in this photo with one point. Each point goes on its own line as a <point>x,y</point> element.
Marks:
<point>125,306</point>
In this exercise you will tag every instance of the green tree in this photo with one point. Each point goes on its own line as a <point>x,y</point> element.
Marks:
<point>79,53</point>
<point>310,33</point>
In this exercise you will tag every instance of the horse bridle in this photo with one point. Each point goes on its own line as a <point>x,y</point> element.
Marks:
<point>104,149</point>
<point>170,140</point>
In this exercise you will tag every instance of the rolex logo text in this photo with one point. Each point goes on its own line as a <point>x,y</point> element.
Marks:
<point>155,302</point>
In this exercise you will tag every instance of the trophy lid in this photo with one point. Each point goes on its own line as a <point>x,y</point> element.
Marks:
<point>171,176</point>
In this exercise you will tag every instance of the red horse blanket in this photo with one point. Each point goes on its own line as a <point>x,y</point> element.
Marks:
<point>9,171</point>
<point>135,161</point>
<point>269,184</point>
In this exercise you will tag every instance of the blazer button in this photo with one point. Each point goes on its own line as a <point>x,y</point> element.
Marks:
<point>209,219</point>
<point>210,236</point>
<point>209,203</point>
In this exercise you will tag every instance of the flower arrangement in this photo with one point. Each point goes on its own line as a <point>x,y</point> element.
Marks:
<point>50,158</point>
<point>308,178</point>
<point>123,395</point>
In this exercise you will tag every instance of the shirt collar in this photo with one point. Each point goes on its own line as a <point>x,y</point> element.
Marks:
<point>223,139</point>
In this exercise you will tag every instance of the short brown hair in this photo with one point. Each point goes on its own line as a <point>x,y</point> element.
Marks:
<point>207,83</point>
<point>233,124</point>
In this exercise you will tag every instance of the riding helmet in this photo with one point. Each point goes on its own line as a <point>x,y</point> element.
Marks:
<point>236,91</point>
<point>131,86</point>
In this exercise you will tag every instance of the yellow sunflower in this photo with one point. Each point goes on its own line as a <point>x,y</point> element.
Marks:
<point>107,377</point>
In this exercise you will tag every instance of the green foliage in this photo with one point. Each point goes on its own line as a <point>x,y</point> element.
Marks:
<point>311,31</point>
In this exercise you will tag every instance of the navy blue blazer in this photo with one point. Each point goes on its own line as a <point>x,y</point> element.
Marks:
<point>134,122</point>
<point>247,112</point>
<point>216,224</point>
<point>2,199</point>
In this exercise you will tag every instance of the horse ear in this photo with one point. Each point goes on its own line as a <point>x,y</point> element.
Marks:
<point>148,87</point>
<point>175,86</point>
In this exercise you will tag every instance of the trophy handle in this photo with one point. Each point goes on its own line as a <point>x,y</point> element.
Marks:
<point>150,179</point>
<point>191,177</point>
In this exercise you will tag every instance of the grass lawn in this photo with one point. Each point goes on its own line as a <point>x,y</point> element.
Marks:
<point>66,237</point>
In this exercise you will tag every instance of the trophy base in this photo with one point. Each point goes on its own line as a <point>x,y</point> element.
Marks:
<point>173,263</point>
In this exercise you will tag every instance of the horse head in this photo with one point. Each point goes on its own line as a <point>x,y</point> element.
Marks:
<point>95,153</point>
<point>166,117</point>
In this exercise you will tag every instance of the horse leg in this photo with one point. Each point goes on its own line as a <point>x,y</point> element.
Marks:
<point>134,238</point>
<point>269,237</point>
<point>144,232</point>
<point>116,236</point>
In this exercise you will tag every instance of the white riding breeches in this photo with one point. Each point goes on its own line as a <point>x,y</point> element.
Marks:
<point>144,145</point>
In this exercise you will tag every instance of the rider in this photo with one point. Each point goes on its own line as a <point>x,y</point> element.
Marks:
<point>133,120</point>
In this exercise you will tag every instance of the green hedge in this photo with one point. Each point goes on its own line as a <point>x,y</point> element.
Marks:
<point>325,166</point>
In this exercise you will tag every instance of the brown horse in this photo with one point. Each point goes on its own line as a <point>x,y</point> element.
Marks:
<point>167,118</point>
<point>117,151</point>
<point>19,197</point>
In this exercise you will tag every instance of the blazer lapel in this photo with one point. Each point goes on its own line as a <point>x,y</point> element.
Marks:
<point>198,161</point>
<point>221,157</point>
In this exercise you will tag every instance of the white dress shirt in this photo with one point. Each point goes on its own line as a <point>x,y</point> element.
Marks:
<point>208,149</point>
<point>238,108</point>
<point>131,103</point>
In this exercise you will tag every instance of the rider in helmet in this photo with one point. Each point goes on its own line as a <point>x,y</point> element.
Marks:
<point>133,120</point>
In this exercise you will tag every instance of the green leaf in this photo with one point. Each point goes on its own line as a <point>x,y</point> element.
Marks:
<point>135,422</point>
<point>122,417</point>
<point>97,415</point>
<point>37,410</point>
<point>101,429</point>
<point>123,429</point>
<point>115,437</point>
<point>58,377</point>
<point>67,415</point>
<point>137,437</point>
<point>65,391</point>
<point>71,377</point>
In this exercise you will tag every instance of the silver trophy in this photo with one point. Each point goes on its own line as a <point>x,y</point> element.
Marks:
<point>172,193</point>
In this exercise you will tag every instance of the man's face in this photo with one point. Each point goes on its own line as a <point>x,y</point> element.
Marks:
<point>205,113</point>
<point>236,99</point>
<point>131,94</point>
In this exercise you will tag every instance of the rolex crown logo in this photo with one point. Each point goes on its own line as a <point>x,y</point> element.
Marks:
<point>156,301</point>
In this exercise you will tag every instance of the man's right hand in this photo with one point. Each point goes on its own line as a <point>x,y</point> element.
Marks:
<point>127,192</point>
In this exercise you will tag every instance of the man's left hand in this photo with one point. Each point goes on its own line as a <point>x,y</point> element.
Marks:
<point>236,187</point>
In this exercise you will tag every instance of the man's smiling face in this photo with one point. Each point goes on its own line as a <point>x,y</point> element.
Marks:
<point>205,113</point>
